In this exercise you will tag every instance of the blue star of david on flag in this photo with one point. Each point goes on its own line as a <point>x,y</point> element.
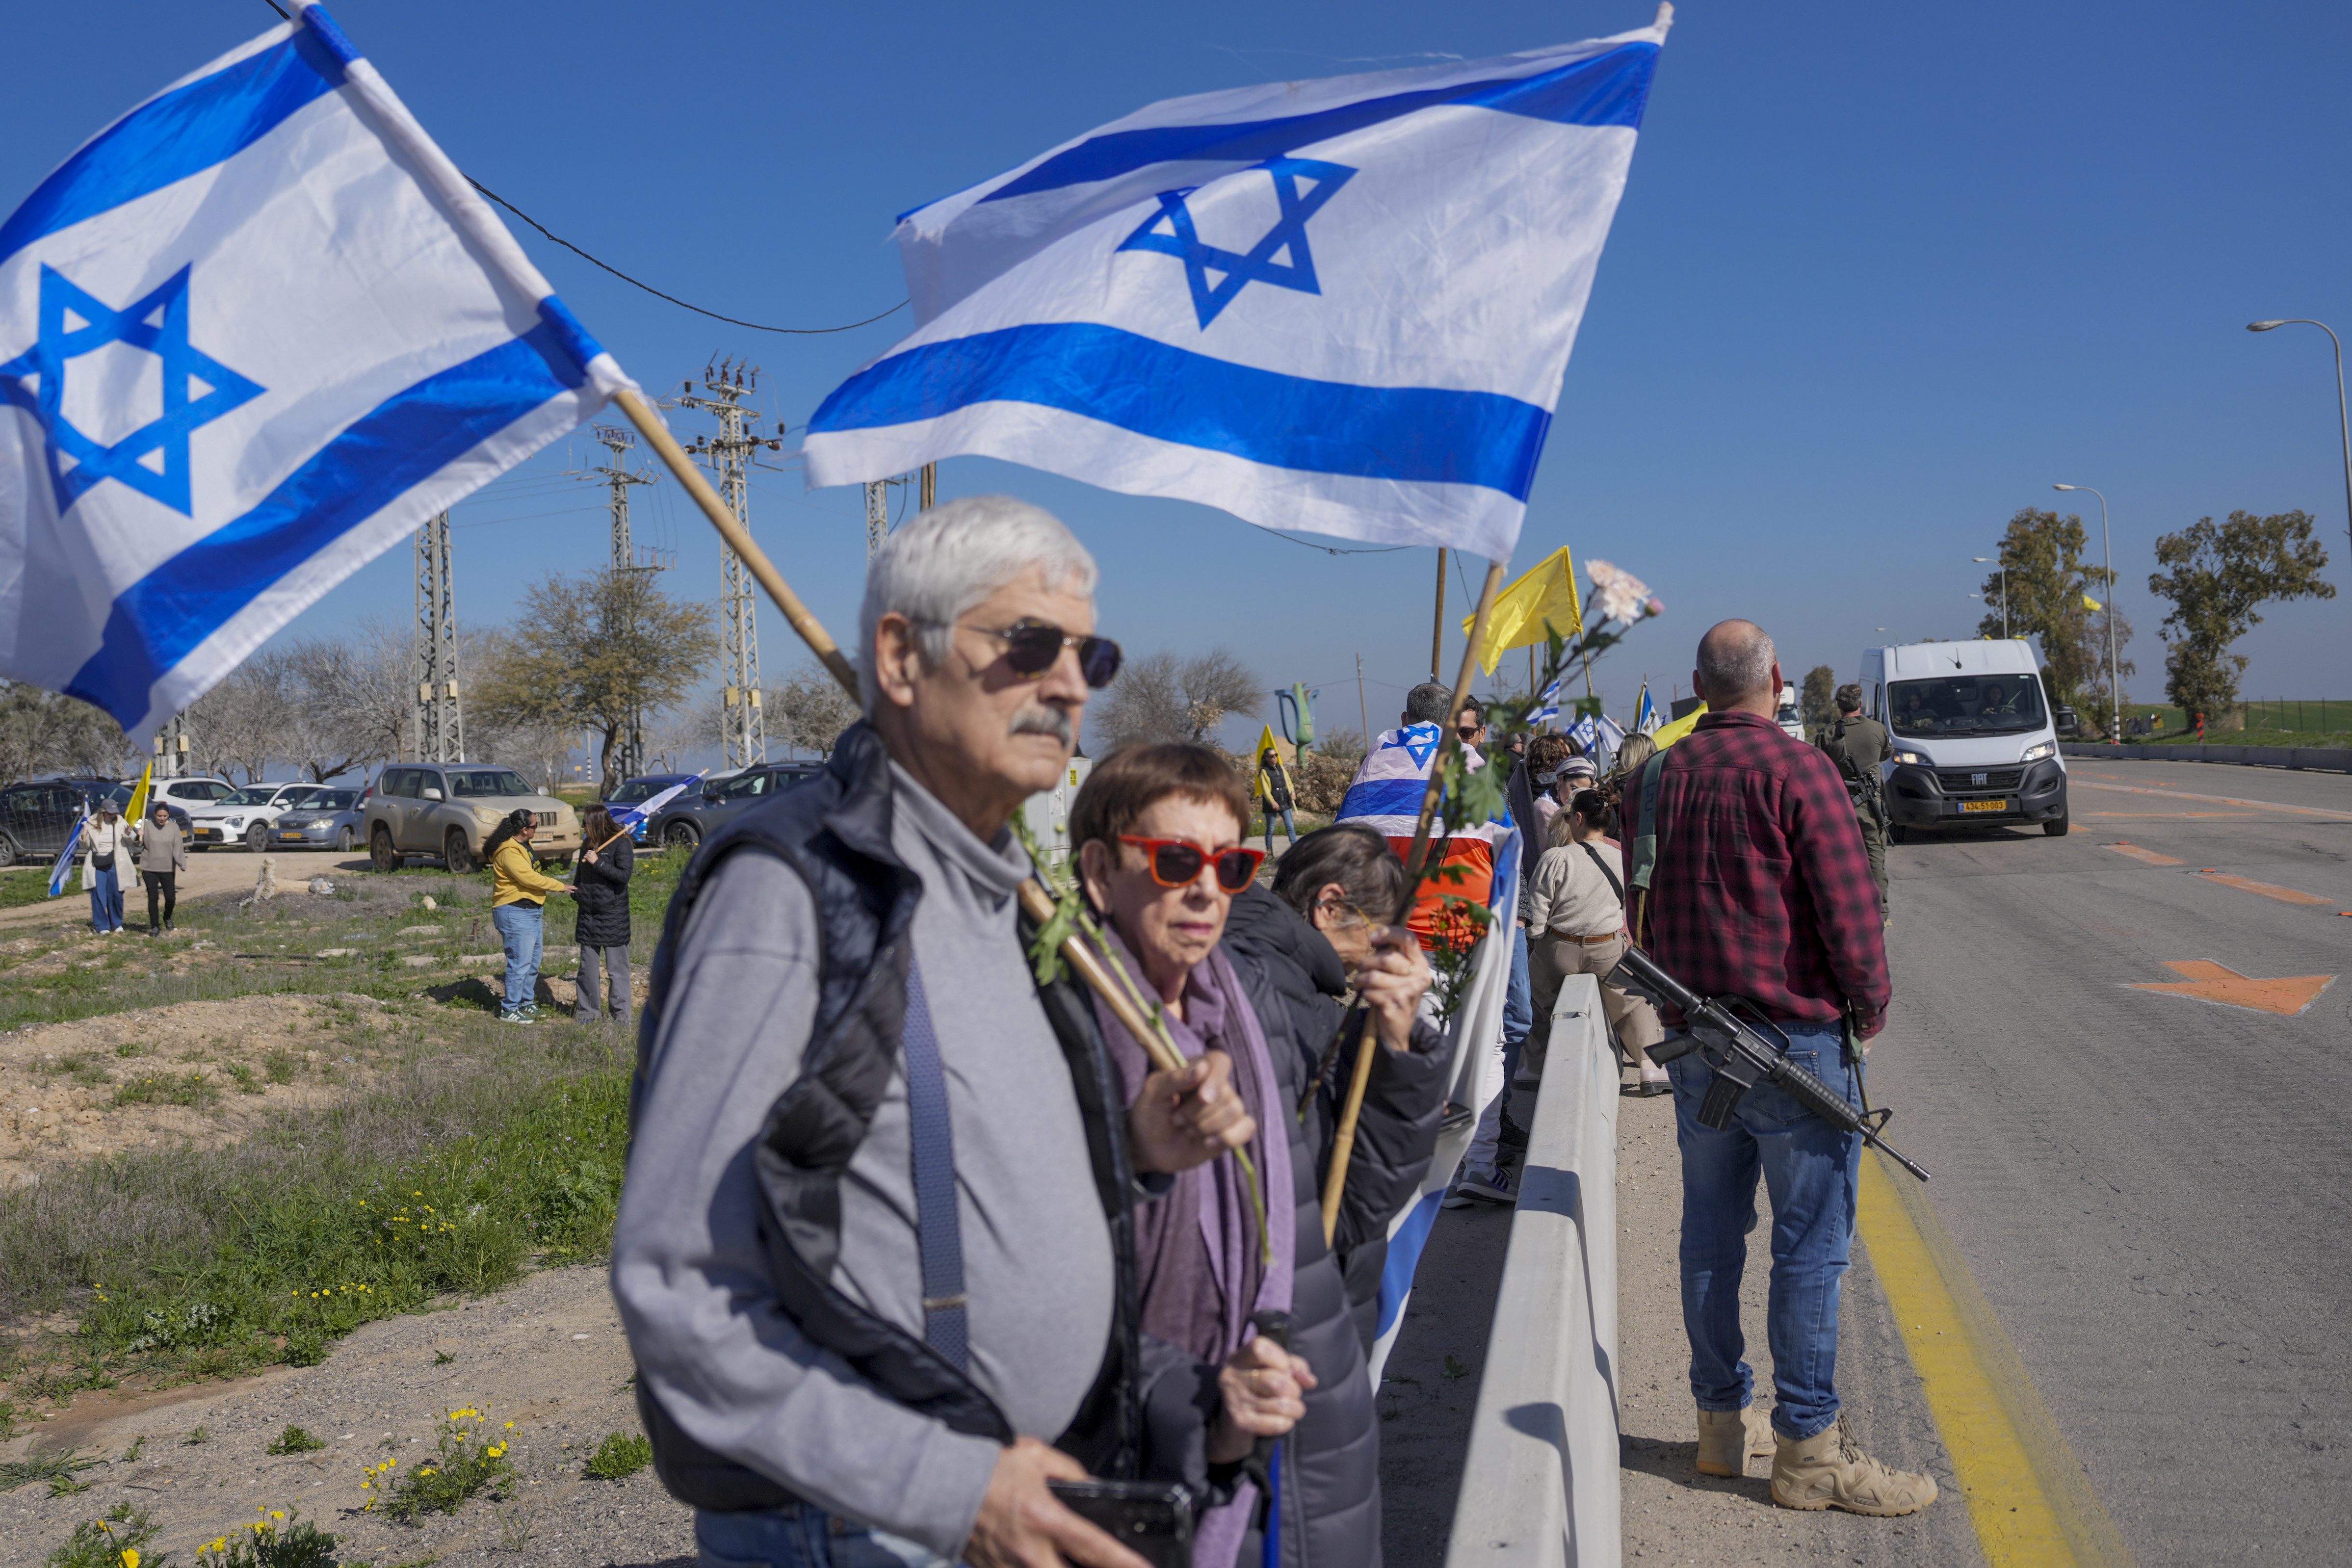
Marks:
<point>1181,238</point>
<point>1420,743</point>
<point>158,324</point>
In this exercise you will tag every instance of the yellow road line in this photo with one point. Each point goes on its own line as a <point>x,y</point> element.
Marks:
<point>2027,1495</point>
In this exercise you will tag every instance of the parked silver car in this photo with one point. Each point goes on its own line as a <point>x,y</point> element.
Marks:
<point>329,819</point>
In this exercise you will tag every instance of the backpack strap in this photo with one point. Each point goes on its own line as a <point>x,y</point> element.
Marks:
<point>939,1227</point>
<point>1615,886</point>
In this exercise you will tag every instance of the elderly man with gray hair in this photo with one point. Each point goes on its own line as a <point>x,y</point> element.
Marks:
<point>1761,889</point>
<point>873,1253</point>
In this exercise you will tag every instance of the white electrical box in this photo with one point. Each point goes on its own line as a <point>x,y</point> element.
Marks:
<point>1048,811</point>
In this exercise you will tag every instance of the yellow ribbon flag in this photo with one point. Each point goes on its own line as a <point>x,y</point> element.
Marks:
<point>1266,743</point>
<point>1669,733</point>
<point>136,811</point>
<point>1548,593</point>
<point>2090,604</point>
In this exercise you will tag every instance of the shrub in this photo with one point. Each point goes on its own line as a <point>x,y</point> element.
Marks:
<point>466,1462</point>
<point>113,1542</point>
<point>192,1089</point>
<point>281,1539</point>
<point>294,1440</point>
<point>618,1457</point>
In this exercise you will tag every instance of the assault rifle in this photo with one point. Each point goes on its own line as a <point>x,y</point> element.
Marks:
<point>1864,786</point>
<point>1742,1056</point>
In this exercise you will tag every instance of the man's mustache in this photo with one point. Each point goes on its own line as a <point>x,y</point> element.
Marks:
<point>1043,720</point>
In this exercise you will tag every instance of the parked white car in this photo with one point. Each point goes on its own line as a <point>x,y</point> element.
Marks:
<point>247,815</point>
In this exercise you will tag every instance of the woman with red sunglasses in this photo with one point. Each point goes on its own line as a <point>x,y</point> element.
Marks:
<point>1159,835</point>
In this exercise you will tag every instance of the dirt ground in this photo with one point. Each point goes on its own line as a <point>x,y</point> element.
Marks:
<point>546,1353</point>
<point>213,871</point>
<point>204,1072</point>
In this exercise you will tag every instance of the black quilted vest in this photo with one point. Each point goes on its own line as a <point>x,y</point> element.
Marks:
<point>835,832</point>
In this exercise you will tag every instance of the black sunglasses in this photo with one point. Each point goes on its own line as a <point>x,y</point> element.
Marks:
<point>1031,648</point>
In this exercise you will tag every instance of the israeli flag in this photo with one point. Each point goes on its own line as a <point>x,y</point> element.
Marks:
<point>635,817</point>
<point>1547,709</point>
<point>1646,713</point>
<point>251,334</point>
<point>1343,306</point>
<point>1586,734</point>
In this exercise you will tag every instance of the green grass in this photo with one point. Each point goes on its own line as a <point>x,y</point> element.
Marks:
<point>2337,740</point>
<point>51,1466</point>
<point>101,1544</point>
<point>462,1166</point>
<point>190,1088</point>
<point>295,1440</point>
<point>27,882</point>
<point>618,1457</point>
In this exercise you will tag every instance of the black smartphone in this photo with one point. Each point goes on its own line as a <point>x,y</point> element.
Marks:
<point>1151,1519</point>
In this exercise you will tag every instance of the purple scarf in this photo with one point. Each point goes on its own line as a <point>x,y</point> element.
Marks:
<point>1197,1248</point>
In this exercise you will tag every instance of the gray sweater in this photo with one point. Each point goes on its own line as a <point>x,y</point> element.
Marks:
<point>688,1267</point>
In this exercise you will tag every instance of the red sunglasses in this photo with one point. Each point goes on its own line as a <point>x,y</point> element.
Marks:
<point>1177,862</point>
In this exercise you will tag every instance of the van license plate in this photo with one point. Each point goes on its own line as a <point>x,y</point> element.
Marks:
<point>1984,806</point>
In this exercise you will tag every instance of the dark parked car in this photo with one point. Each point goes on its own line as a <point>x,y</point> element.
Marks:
<point>690,818</point>
<point>639,790</point>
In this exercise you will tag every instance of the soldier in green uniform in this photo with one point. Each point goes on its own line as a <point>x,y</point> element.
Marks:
<point>1858,745</point>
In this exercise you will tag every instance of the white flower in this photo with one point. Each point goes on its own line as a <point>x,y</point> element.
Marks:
<point>1620,592</point>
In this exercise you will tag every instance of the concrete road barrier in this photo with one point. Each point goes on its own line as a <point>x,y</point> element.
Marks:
<point>1539,1484</point>
<point>2329,759</point>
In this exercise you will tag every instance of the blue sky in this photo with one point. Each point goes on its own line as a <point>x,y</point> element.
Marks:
<point>1881,275</point>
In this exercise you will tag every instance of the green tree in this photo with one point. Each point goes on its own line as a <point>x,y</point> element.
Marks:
<point>810,711</point>
<point>1819,700</point>
<point>2046,585</point>
<point>42,731</point>
<point>2217,580</point>
<point>592,650</point>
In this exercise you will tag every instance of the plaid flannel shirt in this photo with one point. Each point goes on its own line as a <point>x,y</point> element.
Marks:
<point>1763,889</point>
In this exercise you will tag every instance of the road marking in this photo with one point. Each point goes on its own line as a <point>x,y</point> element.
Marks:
<point>2148,857</point>
<point>2208,982</point>
<point>2221,800</point>
<point>2267,889</point>
<point>2028,1496</point>
<point>2172,815</point>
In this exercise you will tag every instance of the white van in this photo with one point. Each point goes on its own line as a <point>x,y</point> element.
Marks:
<point>1974,736</point>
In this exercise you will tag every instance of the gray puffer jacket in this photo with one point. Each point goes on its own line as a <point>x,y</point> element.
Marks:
<point>1331,1462</point>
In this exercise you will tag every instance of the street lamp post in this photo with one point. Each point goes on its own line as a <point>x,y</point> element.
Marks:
<point>2115,678</point>
<point>2343,416</point>
<point>2003,564</point>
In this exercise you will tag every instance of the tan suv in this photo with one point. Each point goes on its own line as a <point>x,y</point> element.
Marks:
<point>447,810</point>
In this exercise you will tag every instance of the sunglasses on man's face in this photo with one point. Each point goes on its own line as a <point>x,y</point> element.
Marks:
<point>1030,649</point>
<point>1179,862</point>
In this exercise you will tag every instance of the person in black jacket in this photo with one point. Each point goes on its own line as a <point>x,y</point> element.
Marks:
<point>607,860</point>
<point>1295,950</point>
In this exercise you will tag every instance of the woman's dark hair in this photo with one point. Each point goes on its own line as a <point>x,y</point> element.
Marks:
<point>516,823</point>
<point>1350,854</point>
<point>597,826</point>
<point>1132,780</point>
<point>1594,808</point>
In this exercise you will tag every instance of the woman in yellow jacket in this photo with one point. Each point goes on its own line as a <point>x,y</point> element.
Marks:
<point>517,908</point>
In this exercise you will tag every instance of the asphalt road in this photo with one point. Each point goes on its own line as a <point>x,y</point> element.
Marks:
<point>2153,1189</point>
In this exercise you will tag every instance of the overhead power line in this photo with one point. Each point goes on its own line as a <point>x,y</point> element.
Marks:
<point>681,304</point>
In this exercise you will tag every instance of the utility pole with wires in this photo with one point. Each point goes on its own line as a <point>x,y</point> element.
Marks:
<point>437,725</point>
<point>743,738</point>
<point>631,759</point>
<point>172,748</point>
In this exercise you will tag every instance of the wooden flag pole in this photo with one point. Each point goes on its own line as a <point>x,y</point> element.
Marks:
<point>738,537</point>
<point>1343,1144</point>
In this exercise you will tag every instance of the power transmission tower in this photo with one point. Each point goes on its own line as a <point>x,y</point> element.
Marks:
<point>743,738</point>
<point>172,748</point>
<point>437,726</point>
<point>632,758</point>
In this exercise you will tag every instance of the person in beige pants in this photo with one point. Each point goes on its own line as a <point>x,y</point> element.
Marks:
<point>1577,926</point>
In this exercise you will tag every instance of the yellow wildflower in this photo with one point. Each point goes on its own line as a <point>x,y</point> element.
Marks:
<point>131,1557</point>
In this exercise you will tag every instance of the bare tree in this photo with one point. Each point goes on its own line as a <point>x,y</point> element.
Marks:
<point>810,710</point>
<point>43,730</point>
<point>241,723</point>
<point>358,698</point>
<point>1163,698</point>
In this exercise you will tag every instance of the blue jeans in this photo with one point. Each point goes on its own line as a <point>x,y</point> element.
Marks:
<point>801,1536</point>
<point>1518,1006</point>
<point>105,898</point>
<point>520,928</point>
<point>1288,827</point>
<point>1810,1170</point>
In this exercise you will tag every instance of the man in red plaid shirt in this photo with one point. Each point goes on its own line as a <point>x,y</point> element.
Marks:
<point>1762,890</point>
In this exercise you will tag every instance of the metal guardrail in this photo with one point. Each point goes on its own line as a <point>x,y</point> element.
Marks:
<point>2332,758</point>
<point>1539,1484</point>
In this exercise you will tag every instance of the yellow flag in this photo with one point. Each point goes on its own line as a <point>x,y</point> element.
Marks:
<point>1266,743</point>
<point>137,810</point>
<point>1669,733</point>
<point>2090,604</point>
<point>1547,593</point>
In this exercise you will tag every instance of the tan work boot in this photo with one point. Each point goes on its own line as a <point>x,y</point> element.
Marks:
<point>1829,1469</point>
<point>1728,1437</point>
